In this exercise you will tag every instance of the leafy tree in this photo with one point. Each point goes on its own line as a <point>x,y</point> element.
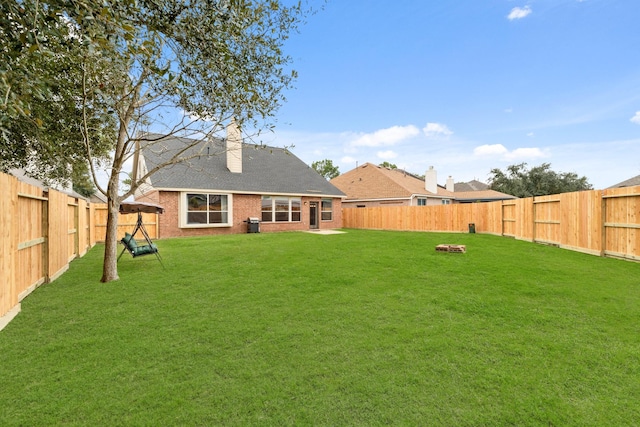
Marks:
<point>47,137</point>
<point>36,58</point>
<point>326,168</point>
<point>27,32</point>
<point>177,67</point>
<point>82,182</point>
<point>520,181</point>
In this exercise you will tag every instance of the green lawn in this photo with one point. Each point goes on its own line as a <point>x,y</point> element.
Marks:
<point>362,328</point>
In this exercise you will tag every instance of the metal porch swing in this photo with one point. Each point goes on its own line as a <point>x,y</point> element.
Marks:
<point>128,241</point>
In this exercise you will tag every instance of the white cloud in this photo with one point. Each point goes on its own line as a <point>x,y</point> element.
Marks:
<point>387,155</point>
<point>636,118</point>
<point>490,150</point>
<point>531,134</point>
<point>519,13</point>
<point>499,150</point>
<point>525,154</point>
<point>436,129</point>
<point>348,160</point>
<point>508,110</point>
<point>389,136</point>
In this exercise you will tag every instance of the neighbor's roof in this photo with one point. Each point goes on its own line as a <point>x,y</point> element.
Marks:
<point>473,185</point>
<point>370,181</point>
<point>265,170</point>
<point>631,182</point>
<point>21,175</point>
<point>482,196</point>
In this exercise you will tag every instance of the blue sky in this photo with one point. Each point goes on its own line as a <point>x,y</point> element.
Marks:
<point>467,86</point>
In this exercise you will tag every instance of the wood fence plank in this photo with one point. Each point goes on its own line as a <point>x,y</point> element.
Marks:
<point>592,221</point>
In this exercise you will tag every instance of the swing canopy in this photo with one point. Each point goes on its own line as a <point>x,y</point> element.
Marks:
<point>140,207</point>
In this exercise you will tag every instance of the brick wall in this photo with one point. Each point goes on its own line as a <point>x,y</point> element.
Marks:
<point>386,203</point>
<point>244,206</point>
<point>151,197</point>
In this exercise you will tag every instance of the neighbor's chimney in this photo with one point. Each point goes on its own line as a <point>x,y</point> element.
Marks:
<point>431,180</point>
<point>450,185</point>
<point>234,147</point>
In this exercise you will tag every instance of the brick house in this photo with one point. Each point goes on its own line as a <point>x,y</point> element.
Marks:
<point>371,185</point>
<point>225,182</point>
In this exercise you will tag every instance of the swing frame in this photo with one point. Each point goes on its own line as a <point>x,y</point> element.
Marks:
<point>129,241</point>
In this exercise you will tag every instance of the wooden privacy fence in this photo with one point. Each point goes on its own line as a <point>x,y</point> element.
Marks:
<point>41,232</point>
<point>598,222</point>
<point>126,223</point>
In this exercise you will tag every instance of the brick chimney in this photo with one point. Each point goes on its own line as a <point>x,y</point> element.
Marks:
<point>431,180</point>
<point>450,184</point>
<point>234,147</point>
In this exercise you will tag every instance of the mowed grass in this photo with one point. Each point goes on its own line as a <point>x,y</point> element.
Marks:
<point>361,328</point>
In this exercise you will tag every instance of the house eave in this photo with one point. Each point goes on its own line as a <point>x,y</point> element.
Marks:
<point>261,193</point>
<point>430,196</point>
<point>481,199</point>
<point>379,199</point>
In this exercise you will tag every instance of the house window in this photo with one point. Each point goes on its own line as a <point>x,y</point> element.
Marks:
<point>421,201</point>
<point>281,209</point>
<point>296,208</point>
<point>446,201</point>
<point>205,209</point>
<point>327,209</point>
<point>267,209</point>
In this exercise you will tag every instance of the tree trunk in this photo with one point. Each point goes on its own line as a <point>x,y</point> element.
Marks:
<point>110,264</point>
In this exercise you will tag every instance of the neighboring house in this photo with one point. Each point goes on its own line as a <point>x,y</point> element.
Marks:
<point>370,185</point>
<point>481,196</point>
<point>98,197</point>
<point>475,191</point>
<point>631,182</point>
<point>473,185</point>
<point>226,182</point>
<point>21,175</point>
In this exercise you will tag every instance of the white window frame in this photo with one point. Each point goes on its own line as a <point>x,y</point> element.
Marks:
<point>322,211</point>
<point>273,208</point>
<point>183,206</point>
<point>421,199</point>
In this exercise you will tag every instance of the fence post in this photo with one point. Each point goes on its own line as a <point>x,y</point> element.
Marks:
<point>603,227</point>
<point>502,217</point>
<point>533,218</point>
<point>45,235</point>
<point>9,304</point>
<point>76,225</point>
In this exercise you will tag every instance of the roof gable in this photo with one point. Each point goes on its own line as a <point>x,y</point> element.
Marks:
<point>265,170</point>
<point>370,181</point>
<point>482,195</point>
<point>473,185</point>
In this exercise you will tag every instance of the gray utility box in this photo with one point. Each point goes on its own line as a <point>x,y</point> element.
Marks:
<point>253,225</point>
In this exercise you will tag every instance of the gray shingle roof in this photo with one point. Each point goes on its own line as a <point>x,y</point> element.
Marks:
<point>473,185</point>
<point>265,170</point>
<point>631,182</point>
